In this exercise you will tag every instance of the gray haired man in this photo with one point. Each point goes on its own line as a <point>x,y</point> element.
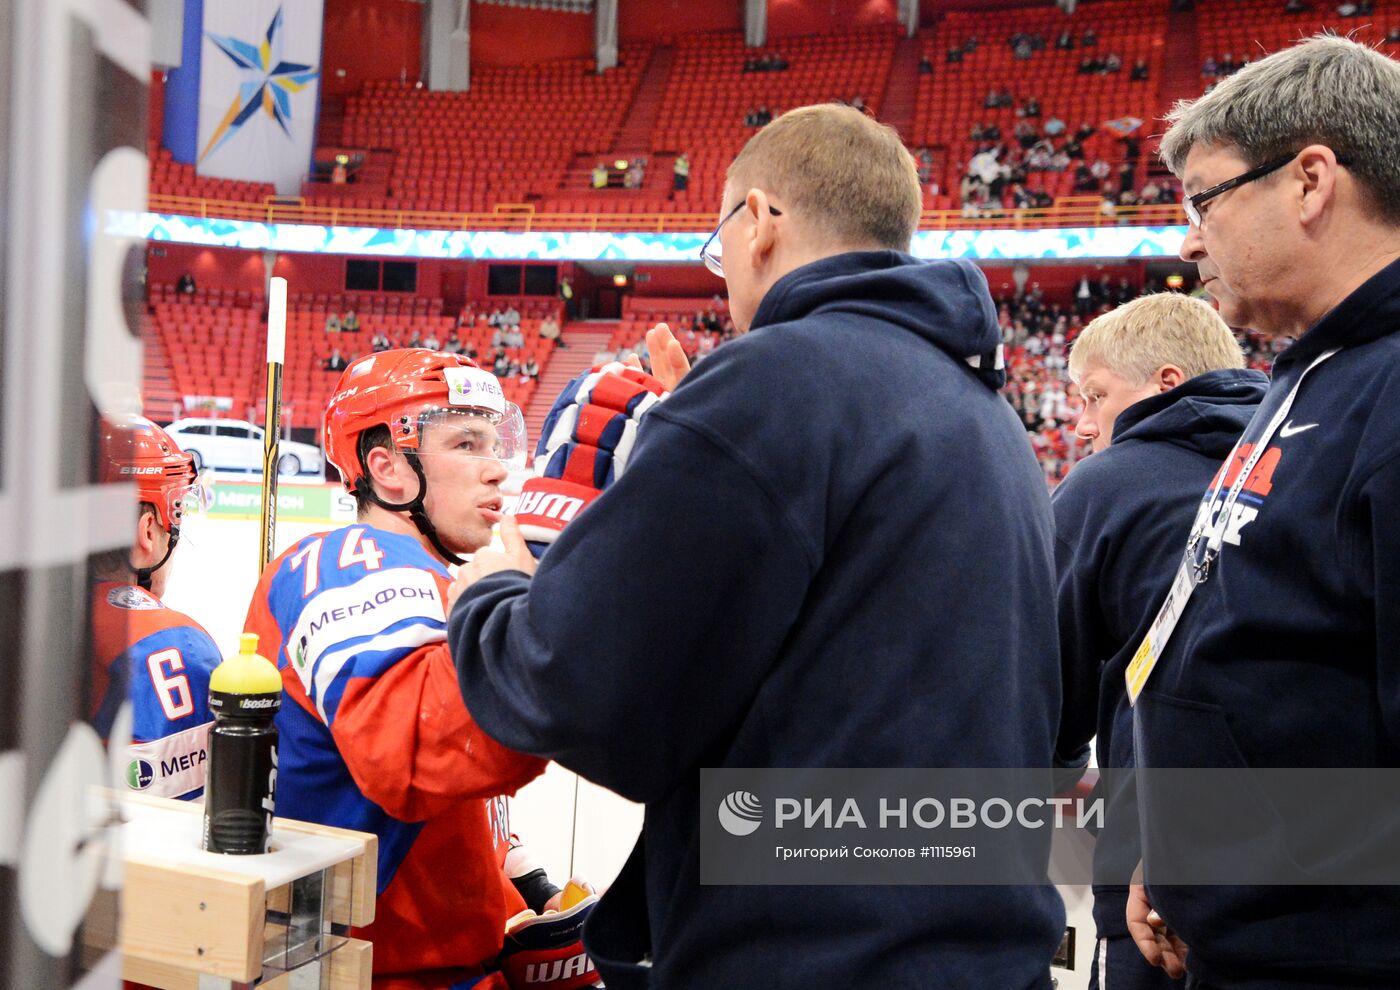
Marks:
<point>1287,653</point>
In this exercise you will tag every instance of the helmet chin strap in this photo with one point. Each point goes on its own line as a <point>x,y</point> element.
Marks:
<point>143,574</point>
<point>413,507</point>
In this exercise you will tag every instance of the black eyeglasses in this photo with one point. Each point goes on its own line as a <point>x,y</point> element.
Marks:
<point>1192,204</point>
<point>711,252</point>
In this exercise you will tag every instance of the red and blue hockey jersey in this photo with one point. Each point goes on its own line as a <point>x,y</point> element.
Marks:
<point>161,660</point>
<point>374,736</point>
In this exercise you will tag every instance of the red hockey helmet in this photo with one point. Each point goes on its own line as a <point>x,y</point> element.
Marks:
<point>407,389</point>
<point>135,449</point>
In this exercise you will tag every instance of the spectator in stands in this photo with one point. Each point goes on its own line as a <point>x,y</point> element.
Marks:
<point>925,66</point>
<point>993,99</point>
<point>1113,63</point>
<point>1031,108</point>
<point>351,323</point>
<point>1025,134</point>
<point>1089,39</point>
<point>185,284</point>
<point>500,366</point>
<point>494,320</point>
<point>1210,68</point>
<point>1054,127</point>
<point>1065,42</point>
<point>1022,49</point>
<point>1084,181</point>
<point>453,344</point>
<point>680,173</point>
<point>530,369</point>
<point>514,337</point>
<point>955,55</point>
<point>1227,64</point>
<point>511,316</point>
<point>1085,132</point>
<point>335,362</point>
<point>1348,9</point>
<point>566,293</point>
<point>549,329</point>
<point>1140,70</point>
<point>636,174</point>
<point>415,339</point>
<point>379,342</point>
<point>1295,7</point>
<point>431,342</point>
<point>333,323</point>
<point>600,176</point>
<point>1392,37</point>
<point>858,102</point>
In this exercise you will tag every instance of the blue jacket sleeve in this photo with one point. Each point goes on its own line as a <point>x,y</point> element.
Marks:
<point>1083,645</point>
<point>645,634</point>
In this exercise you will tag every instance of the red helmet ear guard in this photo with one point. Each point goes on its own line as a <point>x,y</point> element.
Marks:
<point>391,388</point>
<point>135,449</point>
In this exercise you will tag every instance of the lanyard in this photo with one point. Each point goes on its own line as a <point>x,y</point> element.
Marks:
<point>1195,565</point>
<point>1201,557</point>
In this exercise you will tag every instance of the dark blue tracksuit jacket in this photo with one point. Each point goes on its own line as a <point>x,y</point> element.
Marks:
<point>1289,656</point>
<point>1121,522</point>
<point>831,548</point>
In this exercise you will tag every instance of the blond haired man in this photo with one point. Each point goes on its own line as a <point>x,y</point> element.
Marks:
<point>1165,396</point>
<point>831,548</point>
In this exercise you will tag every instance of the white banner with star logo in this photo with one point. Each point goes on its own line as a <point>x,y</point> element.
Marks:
<point>258,90</point>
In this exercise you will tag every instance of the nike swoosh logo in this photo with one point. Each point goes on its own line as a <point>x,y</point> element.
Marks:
<point>1289,429</point>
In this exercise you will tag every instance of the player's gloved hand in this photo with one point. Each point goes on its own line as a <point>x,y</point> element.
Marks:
<point>583,447</point>
<point>546,950</point>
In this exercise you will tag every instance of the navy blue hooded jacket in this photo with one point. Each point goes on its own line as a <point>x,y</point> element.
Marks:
<point>1121,522</point>
<point>831,548</point>
<point>1289,655</point>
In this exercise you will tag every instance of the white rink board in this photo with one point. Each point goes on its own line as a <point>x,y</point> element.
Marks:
<point>215,571</point>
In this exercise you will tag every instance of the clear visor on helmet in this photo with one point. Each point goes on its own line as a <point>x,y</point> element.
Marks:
<point>186,499</point>
<point>474,433</point>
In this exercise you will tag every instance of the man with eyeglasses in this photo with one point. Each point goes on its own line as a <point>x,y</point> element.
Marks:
<point>831,548</point>
<point>1280,643</point>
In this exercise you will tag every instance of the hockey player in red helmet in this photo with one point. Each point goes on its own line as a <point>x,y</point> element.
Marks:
<point>374,733</point>
<point>153,656</point>
<point>416,417</point>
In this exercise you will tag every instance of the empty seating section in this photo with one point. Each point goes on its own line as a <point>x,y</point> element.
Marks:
<point>1250,28</point>
<point>508,140</point>
<point>709,93</point>
<point>216,342</point>
<point>951,99</point>
<point>172,178</point>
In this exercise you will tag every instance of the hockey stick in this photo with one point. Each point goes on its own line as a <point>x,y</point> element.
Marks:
<point>272,428</point>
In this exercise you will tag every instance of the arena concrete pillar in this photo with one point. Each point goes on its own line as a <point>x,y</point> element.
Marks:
<point>755,23</point>
<point>447,45</point>
<point>605,34</point>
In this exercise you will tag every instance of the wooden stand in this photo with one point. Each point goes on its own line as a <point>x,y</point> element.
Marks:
<point>193,920</point>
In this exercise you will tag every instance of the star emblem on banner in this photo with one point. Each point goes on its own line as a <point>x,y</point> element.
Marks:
<point>268,82</point>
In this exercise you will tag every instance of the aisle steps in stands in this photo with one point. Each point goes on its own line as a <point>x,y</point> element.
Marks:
<point>634,138</point>
<point>160,398</point>
<point>582,342</point>
<point>1181,66</point>
<point>902,90</point>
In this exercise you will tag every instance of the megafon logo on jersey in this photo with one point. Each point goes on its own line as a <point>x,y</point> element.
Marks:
<point>741,813</point>
<point>1255,489</point>
<point>139,775</point>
